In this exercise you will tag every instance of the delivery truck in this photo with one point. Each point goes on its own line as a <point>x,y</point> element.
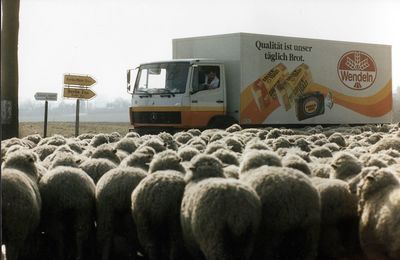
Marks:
<point>258,80</point>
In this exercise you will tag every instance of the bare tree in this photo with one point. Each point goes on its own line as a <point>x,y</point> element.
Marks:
<point>9,69</point>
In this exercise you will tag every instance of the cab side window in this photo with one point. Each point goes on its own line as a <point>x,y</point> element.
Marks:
<point>206,78</point>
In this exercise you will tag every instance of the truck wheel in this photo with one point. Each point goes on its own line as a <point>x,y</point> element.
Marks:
<point>221,122</point>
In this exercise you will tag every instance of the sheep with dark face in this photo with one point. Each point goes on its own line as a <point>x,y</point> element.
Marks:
<point>379,209</point>
<point>113,203</point>
<point>156,204</point>
<point>291,211</point>
<point>68,212</point>
<point>219,217</point>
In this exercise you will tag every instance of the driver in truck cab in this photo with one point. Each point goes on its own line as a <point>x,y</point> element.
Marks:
<point>211,80</point>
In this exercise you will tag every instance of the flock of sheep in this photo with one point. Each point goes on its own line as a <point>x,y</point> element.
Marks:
<point>271,193</point>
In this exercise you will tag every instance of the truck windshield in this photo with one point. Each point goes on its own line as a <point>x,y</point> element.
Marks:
<point>160,78</point>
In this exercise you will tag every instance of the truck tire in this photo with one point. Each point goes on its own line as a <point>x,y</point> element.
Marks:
<point>221,122</point>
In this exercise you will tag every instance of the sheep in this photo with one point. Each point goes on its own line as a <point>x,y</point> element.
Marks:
<point>296,162</point>
<point>215,146</point>
<point>234,144</point>
<point>291,211</point>
<point>68,212</point>
<point>303,144</point>
<point>197,143</point>
<point>321,152</point>
<point>126,144</point>
<point>156,143</point>
<point>155,207</point>
<point>187,153</point>
<point>204,166</point>
<point>273,134</point>
<point>254,159</point>
<point>96,167</point>
<point>138,159</point>
<point>56,140</point>
<point>35,138</point>
<point>338,139</point>
<point>333,147</point>
<point>24,161</point>
<point>385,144</point>
<point>379,210</point>
<point>346,165</point>
<point>339,220</point>
<point>219,219</point>
<point>168,140</point>
<point>99,139</point>
<point>194,132</point>
<point>132,135</point>
<point>166,160</point>
<point>321,170</point>
<point>182,137</point>
<point>114,137</point>
<point>113,204</point>
<point>231,171</point>
<point>107,152</point>
<point>233,128</point>
<point>280,142</point>
<point>65,159</point>
<point>21,206</point>
<point>227,157</point>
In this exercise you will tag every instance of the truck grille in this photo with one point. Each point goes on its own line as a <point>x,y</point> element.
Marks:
<point>154,117</point>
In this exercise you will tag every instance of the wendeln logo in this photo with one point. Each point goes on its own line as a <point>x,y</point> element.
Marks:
<point>357,70</point>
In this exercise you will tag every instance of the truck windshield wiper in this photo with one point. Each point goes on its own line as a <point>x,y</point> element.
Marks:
<point>168,91</point>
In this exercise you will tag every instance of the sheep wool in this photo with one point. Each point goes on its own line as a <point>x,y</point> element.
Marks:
<point>219,219</point>
<point>21,206</point>
<point>379,209</point>
<point>113,204</point>
<point>156,204</point>
<point>68,212</point>
<point>166,160</point>
<point>291,213</point>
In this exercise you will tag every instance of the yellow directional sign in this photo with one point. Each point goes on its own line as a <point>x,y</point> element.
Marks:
<point>80,93</point>
<point>78,80</point>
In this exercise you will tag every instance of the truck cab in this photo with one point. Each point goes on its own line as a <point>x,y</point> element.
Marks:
<point>178,94</point>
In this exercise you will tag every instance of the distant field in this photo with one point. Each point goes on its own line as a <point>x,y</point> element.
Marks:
<point>67,129</point>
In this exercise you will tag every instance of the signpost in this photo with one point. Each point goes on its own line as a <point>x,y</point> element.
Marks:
<point>46,96</point>
<point>77,86</point>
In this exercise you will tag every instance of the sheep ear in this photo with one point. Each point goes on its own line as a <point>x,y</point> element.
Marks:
<point>31,159</point>
<point>78,161</point>
<point>370,178</point>
<point>114,150</point>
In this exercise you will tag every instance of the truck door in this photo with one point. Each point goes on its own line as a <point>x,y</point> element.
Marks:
<point>207,98</point>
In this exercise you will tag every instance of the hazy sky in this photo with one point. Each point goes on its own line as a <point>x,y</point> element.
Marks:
<point>103,38</point>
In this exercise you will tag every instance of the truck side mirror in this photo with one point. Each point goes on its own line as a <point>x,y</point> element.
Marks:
<point>128,81</point>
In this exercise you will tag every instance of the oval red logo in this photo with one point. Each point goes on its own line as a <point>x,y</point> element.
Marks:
<point>357,70</point>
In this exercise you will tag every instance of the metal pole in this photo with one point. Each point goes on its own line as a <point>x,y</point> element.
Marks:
<point>77,118</point>
<point>46,108</point>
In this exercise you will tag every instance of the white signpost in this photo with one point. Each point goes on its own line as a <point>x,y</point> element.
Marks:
<point>77,86</point>
<point>45,96</point>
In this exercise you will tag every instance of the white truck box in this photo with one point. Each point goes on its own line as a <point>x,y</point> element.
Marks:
<point>287,80</point>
